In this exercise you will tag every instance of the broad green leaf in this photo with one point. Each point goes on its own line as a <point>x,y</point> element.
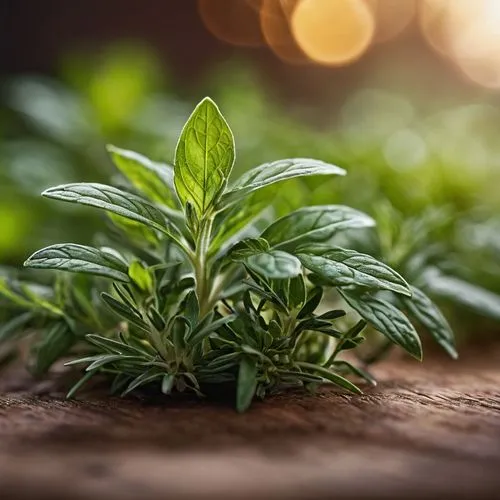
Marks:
<point>79,259</point>
<point>277,171</point>
<point>343,267</point>
<point>55,343</point>
<point>388,320</point>
<point>422,309</point>
<point>458,291</point>
<point>204,157</point>
<point>113,200</point>
<point>247,383</point>
<point>154,180</point>
<point>313,225</point>
<point>140,276</point>
<point>274,264</point>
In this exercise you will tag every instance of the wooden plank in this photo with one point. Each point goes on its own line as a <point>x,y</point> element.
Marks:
<point>429,430</point>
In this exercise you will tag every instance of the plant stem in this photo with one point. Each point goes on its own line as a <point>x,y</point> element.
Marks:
<point>201,274</point>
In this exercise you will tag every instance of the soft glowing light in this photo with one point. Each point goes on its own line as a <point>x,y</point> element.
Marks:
<point>275,23</point>
<point>392,17</point>
<point>232,21</point>
<point>468,33</point>
<point>333,32</point>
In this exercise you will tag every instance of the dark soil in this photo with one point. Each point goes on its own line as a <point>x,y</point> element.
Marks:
<point>428,430</point>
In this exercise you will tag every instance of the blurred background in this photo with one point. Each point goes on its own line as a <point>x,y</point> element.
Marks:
<point>404,94</point>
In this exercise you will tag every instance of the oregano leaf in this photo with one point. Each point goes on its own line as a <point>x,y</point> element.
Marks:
<point>79,259</point>
<point>204,157</point>
<point>388,320</point>
<point>315,224</point>
<point>277,171</point>
<point>342,267</point>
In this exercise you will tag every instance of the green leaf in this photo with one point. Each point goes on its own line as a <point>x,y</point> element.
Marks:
<point>154,180</point>
<point>343,267</point>
<point>236,223</point>
<point>458,291</point>
<point>15,327</point>
<point>314,298</point>
<point>388,320</point>
<point>331,376</point>
<point>423,310</point>
<point>274,264</point>
<point>55,343</point>
<point>247,383</point>
<point>140,276</point>
<point>199,334</point>
<point>204,157</point>
<point>313,225</point>
<point>125,311</point>
<point>113,200</point>
<point>277,171</point>
<point>358,372</point>
<point>79,259</point>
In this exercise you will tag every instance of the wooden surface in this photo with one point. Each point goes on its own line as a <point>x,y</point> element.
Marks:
<point>427,431</point>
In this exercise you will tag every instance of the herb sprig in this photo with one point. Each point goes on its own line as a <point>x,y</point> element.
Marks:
<point>206,288</point>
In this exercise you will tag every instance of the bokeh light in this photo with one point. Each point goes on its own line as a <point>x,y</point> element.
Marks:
<point>333,32</point>
<point>232,21</point>
<point>392,17</point>
<point>468,33</point>
<point>275,18</point>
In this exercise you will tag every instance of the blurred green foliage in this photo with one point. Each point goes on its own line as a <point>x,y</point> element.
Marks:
<point>426,160</point>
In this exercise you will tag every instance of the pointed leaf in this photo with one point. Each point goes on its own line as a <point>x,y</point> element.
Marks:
<point>313,224</point>
<point>423,310</point>
<point>204,157</point>
<point>154,180</point>
<point>113,200</point>
<point>247,383</point>
<point>277,171</point>
<point>388,320</point>
<point>79,259</point>
<point>458,291</point>
<point>343,267</point>
<point>331,376</point>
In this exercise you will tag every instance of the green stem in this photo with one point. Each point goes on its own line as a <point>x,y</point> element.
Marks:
<point>201,273</point>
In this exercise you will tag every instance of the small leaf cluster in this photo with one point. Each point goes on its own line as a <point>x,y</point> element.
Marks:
<point>207,288</point>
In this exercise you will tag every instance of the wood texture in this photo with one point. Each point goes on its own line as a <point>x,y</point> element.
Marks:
<point>427,431</point>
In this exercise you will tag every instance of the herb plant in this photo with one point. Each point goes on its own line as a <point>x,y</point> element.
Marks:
<point>206,288</point>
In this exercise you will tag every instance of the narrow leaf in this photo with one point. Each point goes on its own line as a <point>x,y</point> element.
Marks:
<point>79,259</point>
<point>247,383</point>
<point>313,225</point>
<point>331,376</point>
<point>343,267</point>
<point>113,200</point>
<point>423,310</point>
<point>277,171</point>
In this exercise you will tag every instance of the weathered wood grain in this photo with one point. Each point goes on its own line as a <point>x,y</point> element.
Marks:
<point>427,431</point>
